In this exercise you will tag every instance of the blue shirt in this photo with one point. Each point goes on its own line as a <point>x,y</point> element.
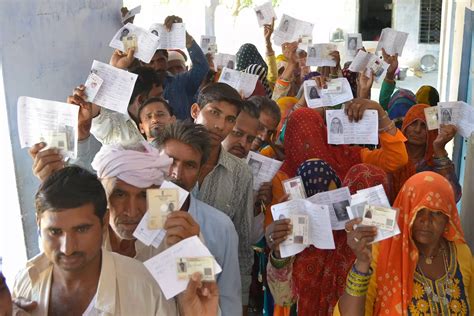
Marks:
<point>222,241</point>
<point>181,89</point>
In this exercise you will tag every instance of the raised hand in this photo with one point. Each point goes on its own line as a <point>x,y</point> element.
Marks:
<point>122,60</point>
<point>268,31</point>
<point>180,225</point>
<point>359,239</point>
<point>45,162</point>
<point>393,64</point>
<point>445,134</point>
<point>364,85</point>
<point>87,111</point>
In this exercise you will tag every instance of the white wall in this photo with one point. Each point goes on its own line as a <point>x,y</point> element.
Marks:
<point>406,18</point>
<point>46,49</point>
<point>234,31</point>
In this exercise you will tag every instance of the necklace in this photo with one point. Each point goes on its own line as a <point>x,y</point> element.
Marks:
<point>429,259</point>
<point>448,283</point>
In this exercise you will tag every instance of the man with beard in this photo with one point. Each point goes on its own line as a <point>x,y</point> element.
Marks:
<point>153,115</point>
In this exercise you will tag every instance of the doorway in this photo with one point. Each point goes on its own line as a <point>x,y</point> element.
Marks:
<point>374,15</point>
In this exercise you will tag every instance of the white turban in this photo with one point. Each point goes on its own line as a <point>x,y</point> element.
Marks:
<point>140,164</point>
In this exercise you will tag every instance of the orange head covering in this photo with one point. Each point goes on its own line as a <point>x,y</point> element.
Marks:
<point>398,256</point>
<point>416,113</point>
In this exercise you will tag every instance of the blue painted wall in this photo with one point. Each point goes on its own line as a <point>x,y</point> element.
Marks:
<point>46,49</point>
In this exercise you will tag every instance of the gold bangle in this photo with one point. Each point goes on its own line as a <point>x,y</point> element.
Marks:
<point>387,128</point>
<point>383,116</point>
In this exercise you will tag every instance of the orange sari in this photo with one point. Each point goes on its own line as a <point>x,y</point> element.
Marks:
<point>398,256</point>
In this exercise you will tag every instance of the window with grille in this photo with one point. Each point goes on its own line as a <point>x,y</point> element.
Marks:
<point>430,21</point>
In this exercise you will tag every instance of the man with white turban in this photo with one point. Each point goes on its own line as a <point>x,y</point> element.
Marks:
<point>126,172</point>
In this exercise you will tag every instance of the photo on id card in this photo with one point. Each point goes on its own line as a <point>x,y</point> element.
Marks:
<point>431,115</point>
<point>299,234</point>
<point>294,188</point>
<point>160,203</point>
<point>92,86</point>
<point>186,267</point>
<point>63,138</point>
<point>129,41</point>
<point>382,217</point>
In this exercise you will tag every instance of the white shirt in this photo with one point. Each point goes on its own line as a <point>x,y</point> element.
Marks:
<point>125,287</point>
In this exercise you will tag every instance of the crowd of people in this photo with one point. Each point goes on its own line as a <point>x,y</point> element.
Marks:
<point>185,126</point>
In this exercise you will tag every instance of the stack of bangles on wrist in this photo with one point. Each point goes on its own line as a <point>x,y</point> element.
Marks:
<point>357,282</point>
<point>441,163</point>
<point>388,127</point>
<point>279,263</point>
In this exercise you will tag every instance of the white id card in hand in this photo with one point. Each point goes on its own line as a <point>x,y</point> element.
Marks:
<point>381,217</point>
<point>186,267</point>
<point>161,202</point>
<point>431,115</point>
<point>294,188</point>
<point>299,234</point>
<point>92,85</point>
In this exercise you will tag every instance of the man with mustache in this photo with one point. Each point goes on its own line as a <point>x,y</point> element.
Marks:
<point>240,139</point>
<point>225,181</point>
<point>188,144</point>
<point>74,275</point>
<point>126,172</point>
<point>153,115</point>
<point>239,143</point>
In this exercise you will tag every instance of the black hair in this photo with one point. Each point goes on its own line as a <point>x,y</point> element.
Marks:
<point>155,100</point>
<point>266,105</point>
<point>218,92</point>
<point>147,78</point>
<point>251,109</point>
<point>164,51</point>
<point>71,187</point>
<point>189,133</point>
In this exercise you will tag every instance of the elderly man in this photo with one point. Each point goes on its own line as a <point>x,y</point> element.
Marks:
<point>74,275</point>
<point>126,172</point>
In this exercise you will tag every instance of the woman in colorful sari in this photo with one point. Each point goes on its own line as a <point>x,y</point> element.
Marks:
<point>426,270</point>
<point>315,278</point>
<point>363,176</point>
<point>306,138</point>
<point>426,150</point>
